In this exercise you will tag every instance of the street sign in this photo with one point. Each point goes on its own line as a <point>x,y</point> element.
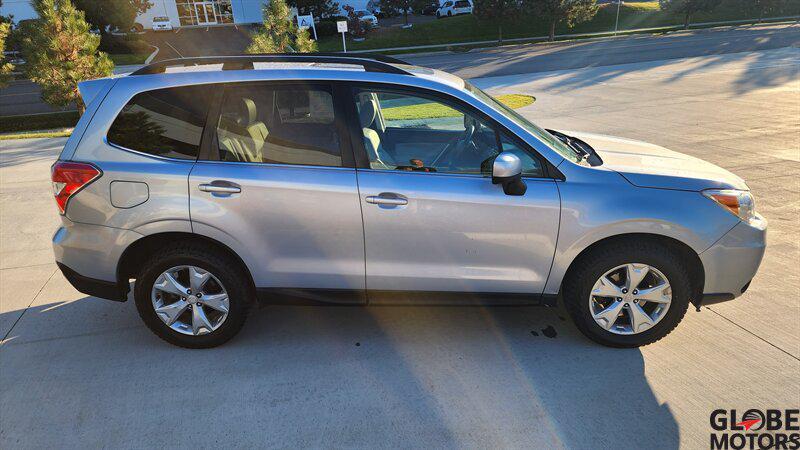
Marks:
<point>341,27</point>
<point>304,22</point>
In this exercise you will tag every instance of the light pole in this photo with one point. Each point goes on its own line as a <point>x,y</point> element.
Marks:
<point>616,22</point>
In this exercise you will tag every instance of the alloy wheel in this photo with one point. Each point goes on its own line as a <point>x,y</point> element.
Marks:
<point>190,300</point>
<point>630,298</point>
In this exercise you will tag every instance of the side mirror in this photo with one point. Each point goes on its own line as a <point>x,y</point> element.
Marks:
<point>507,171</point>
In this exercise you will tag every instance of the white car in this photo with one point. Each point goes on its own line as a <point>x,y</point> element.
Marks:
<point>453,8</point>
<point>367,18</point>
<point>162,23</point>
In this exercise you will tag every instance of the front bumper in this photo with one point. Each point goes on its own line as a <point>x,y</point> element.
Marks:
<point>732,262</point>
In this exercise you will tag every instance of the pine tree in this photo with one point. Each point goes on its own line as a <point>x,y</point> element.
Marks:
<point>5,67</point>
<point>62,53</point>
<point>280,33</point>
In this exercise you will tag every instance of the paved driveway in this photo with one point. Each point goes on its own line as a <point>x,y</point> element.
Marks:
<point>78,371</point>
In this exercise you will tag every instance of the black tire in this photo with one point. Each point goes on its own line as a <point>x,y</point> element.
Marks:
<point>438,16</point>
<point>590,267</point>
<point>236,283</point>
<point>449,13</point>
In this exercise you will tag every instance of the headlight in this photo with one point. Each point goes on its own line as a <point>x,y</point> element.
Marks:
<point>740,203</point>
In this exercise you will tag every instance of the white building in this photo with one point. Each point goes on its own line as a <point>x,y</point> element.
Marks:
<point>180,12</point>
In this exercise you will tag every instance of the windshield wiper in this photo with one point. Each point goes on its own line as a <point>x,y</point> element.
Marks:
<point>582,153</point>
<point>581,148</point>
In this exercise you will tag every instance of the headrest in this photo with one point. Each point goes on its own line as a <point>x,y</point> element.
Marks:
<point>470,122</point>
<point>367,110</point>
<point>250,113</point>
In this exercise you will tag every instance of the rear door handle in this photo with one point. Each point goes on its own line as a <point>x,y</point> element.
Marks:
<point>228,188</point>
<point>387,199</point>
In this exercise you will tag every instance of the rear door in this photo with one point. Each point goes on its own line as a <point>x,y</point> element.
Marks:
<point>277,184</point>
<point>433,220</point>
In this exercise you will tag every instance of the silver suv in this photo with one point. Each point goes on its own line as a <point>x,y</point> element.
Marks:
<point>214,182</point>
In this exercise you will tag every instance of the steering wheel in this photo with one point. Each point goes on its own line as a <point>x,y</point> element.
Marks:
<point>461,143</point>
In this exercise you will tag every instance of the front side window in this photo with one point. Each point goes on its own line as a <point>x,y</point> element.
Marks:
<point>278,125</point>
<point>165,122</point>
<point>408,132</point>
<point>550,140</point>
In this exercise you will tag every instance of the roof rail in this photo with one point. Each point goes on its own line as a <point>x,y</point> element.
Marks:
<point>370,62</point>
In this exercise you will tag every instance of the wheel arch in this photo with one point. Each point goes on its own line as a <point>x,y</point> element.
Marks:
<point>135,255</point>
<point>686,253</point>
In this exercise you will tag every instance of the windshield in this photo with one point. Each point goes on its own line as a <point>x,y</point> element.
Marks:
<point>540,133</point>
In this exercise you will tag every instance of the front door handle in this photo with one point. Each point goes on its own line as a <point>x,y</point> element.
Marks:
<point>221,188</point>
<point>387,199</point>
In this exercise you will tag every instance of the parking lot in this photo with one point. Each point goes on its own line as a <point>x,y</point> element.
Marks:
<point>77,371</point>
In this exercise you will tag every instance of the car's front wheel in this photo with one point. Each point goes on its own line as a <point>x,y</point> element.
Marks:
<point>192,297</point>
<point>628,295</point>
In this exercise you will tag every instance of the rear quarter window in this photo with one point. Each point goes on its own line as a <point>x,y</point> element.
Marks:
<point>165,122</point>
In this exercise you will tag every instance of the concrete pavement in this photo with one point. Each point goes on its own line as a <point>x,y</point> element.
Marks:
<point>78,371</point>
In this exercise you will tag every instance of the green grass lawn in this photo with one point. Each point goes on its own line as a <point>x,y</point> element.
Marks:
<point>65,132</point>
<point>468,28</point>
<point>126,59</point>
<point>436,110</point>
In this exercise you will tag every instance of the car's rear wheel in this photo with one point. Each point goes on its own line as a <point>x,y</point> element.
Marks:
<point>192,297</point>
<point>629,294</point>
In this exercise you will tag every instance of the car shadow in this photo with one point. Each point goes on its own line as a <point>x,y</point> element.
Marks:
<point>374,376</point>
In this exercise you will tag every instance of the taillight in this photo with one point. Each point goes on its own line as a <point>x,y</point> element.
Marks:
<point>69,178</point>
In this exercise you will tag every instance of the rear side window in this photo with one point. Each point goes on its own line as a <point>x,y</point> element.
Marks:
<point>265,123</point>
<point>165,122</point>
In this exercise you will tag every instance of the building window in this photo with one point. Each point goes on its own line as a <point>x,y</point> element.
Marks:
<point>204,12</point>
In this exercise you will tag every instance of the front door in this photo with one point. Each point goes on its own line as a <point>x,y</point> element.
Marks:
<point>205,13</point>
<point>433,220</point>
<point>276,183</point>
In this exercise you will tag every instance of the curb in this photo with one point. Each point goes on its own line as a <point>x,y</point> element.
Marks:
<point>598,34</point>
<point>152,55</point>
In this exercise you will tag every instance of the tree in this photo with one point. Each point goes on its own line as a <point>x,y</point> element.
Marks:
<point>319,8</point>
<point>354,24</point>
<point>571,11</point>
<point>5,67</point>
<point>62,52</point>
<point>404,6</point>
<point>280,33</point>
<point>762,8</point>
<point>689,8</point>
<point>104,14</point>
<point>498,11</point>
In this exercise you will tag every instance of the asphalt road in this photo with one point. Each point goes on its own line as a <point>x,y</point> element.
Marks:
<point>22,97</point>
<point>535,58</point>
<point>76,371</point>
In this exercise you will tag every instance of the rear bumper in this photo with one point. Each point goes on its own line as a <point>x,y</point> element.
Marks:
<point>94,287</point>
<point>88,256</point>
<point>732,262</point>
